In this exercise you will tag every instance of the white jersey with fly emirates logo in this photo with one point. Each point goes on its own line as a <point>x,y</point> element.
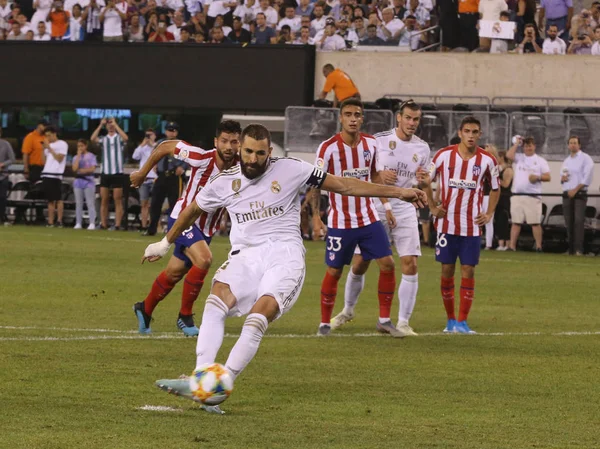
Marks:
<point>337,158</point>
<point>403,158</point>
<point>461,183</point>
<point>262,210</point>
<point>204,165</point>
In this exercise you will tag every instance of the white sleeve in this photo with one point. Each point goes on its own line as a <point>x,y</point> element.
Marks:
<point>209,199</point>
<point>519,157</point>
<point>544,167</point>
<point>195,156</point>
<point>63,147</point>
<point>588,171</point>
<point>137,153</point>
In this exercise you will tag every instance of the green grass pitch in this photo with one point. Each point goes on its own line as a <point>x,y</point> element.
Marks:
<point>74,374</point>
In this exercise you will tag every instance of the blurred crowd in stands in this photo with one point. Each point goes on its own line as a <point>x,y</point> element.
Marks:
<point>550,26</point>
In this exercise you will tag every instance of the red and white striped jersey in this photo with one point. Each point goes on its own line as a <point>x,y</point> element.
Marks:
<point>204,165</point>
<point>339,159</point>
<point>461,183</point>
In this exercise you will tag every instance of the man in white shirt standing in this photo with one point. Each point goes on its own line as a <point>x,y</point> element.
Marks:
<point>319,22</point>
<point>247,12</point>
<point>112,18</point>
<point>596,44</point>
<point>178,23</point>
<point>526,204</point>
<point>553,45</point>
<point>576,176</point>
<point>55,154</point>
<point>142,153</point>
<point>269,12</point>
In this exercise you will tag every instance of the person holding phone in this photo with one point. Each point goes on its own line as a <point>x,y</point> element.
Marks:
<point>84,165</point>
<point>161,34</point>
<point>112,17</point>
<point>142,153</point>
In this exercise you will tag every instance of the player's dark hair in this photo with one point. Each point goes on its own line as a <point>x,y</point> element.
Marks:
<point>504,14</point>
<point>410,104</point>
<point>528,140</point>
<point>229,127</point>
<point>50,129</point>
<point>371,26</point>
<point>257,132</point>
<point>328,67</point>
<point>575,137</point>
<point>469,120</point>
<point>352,101</point>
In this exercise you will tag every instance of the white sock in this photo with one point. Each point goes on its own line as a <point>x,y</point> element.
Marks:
<point>407,295</point>
<point>246,347</point>
<point>212,330</point>
<point>354,286</point>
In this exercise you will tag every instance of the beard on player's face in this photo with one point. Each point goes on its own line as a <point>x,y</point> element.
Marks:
<point>252,170</point>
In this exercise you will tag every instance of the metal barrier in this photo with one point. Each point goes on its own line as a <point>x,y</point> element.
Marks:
<point>439,100</point>
<point>546,103</point>
<point>551,131</point>
<point>306,128</point>
<point>430,31</point>
<point>437,128</point>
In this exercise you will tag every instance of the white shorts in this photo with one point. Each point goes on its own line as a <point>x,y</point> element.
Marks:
<point>274,269</point>
<point>525,209</point>
<point>405,236</point>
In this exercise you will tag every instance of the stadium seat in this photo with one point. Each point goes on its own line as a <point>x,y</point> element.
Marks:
<point>577,125</point>
<point>432,130</point>
<point>498,129</point>
<point>68,197</point>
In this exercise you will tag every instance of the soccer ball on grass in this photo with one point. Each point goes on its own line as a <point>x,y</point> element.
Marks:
<point>211,384</point>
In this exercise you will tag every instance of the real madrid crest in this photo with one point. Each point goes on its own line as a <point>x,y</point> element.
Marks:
<point>275,187</point>
<point>415,158</point>
<point>392,144</point>
<point>236,184</point>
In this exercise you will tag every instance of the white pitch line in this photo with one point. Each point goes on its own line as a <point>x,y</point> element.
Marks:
<point>293,336</point>
<point>543,262</point>
<point>159,408</point>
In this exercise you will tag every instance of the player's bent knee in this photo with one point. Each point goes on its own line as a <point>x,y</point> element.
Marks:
<point>224,293</point>
<point>467,271</point>
<point>409,265</point>
<point>386,264</point>
<point>266,306</point>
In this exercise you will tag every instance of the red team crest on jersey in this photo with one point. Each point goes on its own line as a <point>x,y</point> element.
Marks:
<point>476,170</point>
<point>367,155</point>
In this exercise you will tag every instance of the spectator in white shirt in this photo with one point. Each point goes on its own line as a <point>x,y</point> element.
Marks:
<point>410,36</point>
<point>290,19</point>
<point>112,18</point>
<point>490,10</point>
<point>220,22</point>
<point>193,6</point>
<point>348,34</point>
<point>247,12</point>
<point>55,154</point>
<point>42,9</point>
<point>319,22</point>
<point>5,10</point>
<point>304,38</point>
<point>15,33</point>
<point>269,12</point>
<point>219,7</point>
<point>305,8</point>
<point>25,25</point>
<point>330,40</point>
<point>428,4</point>
<point>525,203</point>
<point>553,45</point>
<point>42,34</point>
<point>135,31</point>
<point>576,176</point>
<point>178,22</point>
<point>422,15</point>
<point>93,26</point>
<point>391,27</point>
<point>305,22</point>
<point>142,153</point>
<point>76,31</point>
<point>596,44</point>
<point>501,45</point>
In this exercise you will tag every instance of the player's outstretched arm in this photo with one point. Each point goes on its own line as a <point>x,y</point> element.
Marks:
<point>155,251</point>
<point>355,187</point>
<point>163,149</point>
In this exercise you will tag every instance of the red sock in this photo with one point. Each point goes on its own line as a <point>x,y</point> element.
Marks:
<point>161,288</point>
<point>467,292</point>
<point>328,294</point>
<point>192,284</point>
<point>448,296</point>
<point>385,293</point>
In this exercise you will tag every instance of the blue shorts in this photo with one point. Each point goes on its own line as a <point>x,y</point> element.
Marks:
<point>450,247</point>
<point>187,238</point>
<point>341,243</point>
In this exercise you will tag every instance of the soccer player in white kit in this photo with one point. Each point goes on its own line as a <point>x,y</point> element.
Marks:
<point>399,155</point>
<point>264,273</point>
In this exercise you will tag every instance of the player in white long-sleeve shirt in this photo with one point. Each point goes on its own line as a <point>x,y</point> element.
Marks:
<point>399,154</point>
<point>264,273</point>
